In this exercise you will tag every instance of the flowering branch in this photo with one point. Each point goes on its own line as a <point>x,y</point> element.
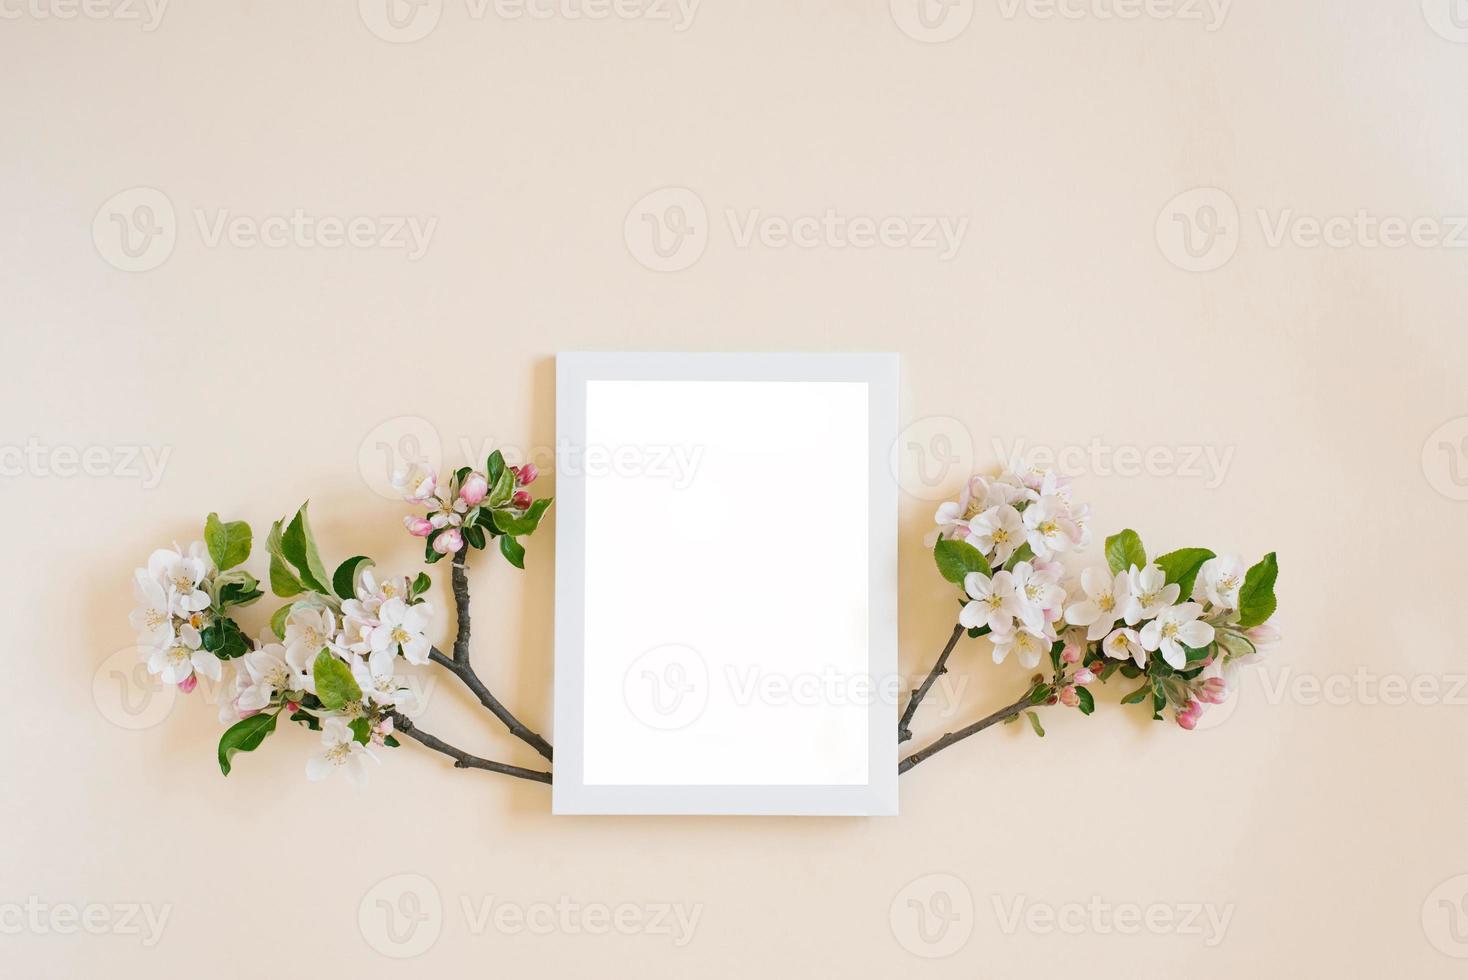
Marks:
<point>1178,622</point>
<point>331,658</point>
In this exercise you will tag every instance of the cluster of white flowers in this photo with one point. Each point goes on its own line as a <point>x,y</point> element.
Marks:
<point>175,595</point>
<point>1021,525</point>
<point>373,635</point>
<point>1029,513</point>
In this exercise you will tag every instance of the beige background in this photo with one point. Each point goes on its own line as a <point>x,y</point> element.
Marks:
<point>1322,823</point>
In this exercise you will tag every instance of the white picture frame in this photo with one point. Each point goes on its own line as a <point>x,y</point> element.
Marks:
<point>726,584</point>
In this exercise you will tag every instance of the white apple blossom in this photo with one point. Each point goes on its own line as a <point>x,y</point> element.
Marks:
<point>1219,581</point>
<point>1048,526</point>
<point>153,619</point>
<point>375,676</point>
<point>1027,646</point>
<point>339,751</point>
<point>269,671</point>
<point>1102,607</point>
<point>997,532</point>
<point>1150,594</point>
<point>1038,595</point>
<point>1174,628</point>
<point>1123,643</point>
<point>992,602</point>
<point>178,661</point>
<point>404,627</point>
<point>308,629</point>
<point>181,574</point>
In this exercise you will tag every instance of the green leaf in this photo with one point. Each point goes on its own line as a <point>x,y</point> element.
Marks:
<point>344,579</point>
<point>429,555</point>
<point>1256,596</point>
<point>224,639</point>
<point>508,523</point>
<point>309,720</point>
<point>335,685</point>
<point>1035,723</point>
<point>391,742</point>
<point>1137,696</point>
<point>1123,550</point>
<point>244,736</point>
<point>956,559</point>
<point>1182,566</point>
<point>284,582</point>
<point>299,545</point>
<point>1040,693</point>
<point>1088,701</point>
<point>494,466</point>
<point>501,489</point>
<point>237,588</point>
<point>474,536</point>
<point>277,620</point>
<point>1023,553</point>
<point>361,730</point>
<point>513,551</point>
<point>420,585</point>
<point>229,544</point>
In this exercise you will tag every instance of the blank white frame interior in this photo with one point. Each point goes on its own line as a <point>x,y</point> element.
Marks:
<point>726,584</point>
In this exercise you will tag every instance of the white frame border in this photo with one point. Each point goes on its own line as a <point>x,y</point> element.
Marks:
<point>570,794</point>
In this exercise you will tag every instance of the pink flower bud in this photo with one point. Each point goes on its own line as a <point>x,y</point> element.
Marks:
<point>1187,719</point>
<point>1264,635</point>
<point>1085,676</point>
<point>293,706</point>
<point>188,684</point>
<point>418,527</point>
<point>1213,691</point>
<point>448,542</point>
<point>1069,697</point>
<point>474,488</point>
<point>525,475</point>
<point>521,499</point>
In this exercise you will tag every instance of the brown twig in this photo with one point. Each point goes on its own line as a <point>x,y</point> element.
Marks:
<point>1003,714</point>
<point>462,759</point>
<point>459,665</point>
<point>939,669</point>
